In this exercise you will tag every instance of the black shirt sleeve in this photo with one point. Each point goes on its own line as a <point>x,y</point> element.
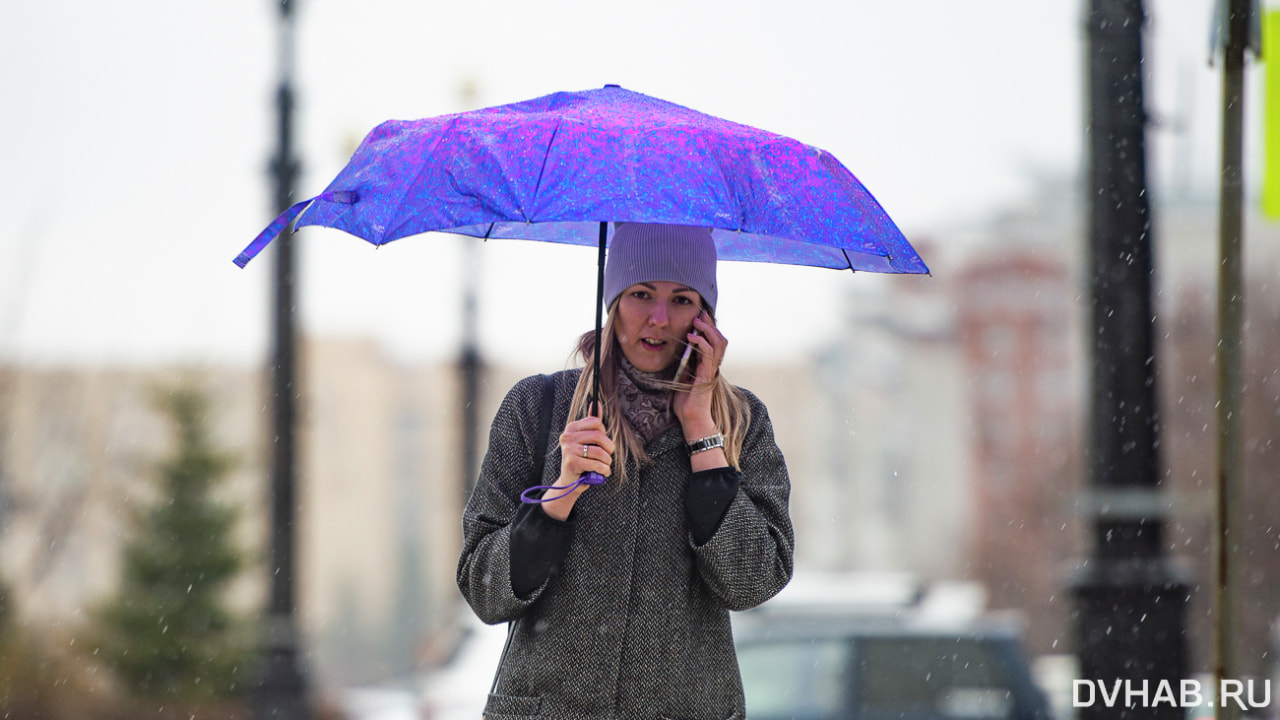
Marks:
<point>539,544</point>
<point>706,500</point>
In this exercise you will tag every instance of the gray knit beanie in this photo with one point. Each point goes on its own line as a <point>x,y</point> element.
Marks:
<point>642,252</point>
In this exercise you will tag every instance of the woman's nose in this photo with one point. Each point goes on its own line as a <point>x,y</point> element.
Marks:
<point>658,316</point>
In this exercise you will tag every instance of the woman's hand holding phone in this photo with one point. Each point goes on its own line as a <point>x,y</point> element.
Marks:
<point>692,407</point>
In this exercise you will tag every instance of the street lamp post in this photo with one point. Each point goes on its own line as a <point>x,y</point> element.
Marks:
<point>279,692</point>
<point>1130,601</point>
<point>470,362</point>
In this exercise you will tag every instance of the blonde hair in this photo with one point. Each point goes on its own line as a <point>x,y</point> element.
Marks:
<point>729,409</point>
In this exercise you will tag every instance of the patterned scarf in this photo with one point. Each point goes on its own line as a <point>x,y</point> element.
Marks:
<point>645,404</point>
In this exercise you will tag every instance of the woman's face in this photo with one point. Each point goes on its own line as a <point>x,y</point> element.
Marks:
<point>653,321</point>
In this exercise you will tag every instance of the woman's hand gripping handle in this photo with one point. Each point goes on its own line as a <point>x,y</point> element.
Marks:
<point>586,459</point>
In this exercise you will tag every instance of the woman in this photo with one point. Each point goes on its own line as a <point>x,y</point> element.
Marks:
<point>619,594</point>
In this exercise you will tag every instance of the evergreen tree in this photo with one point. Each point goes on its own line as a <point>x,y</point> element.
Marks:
<point>168,633</point>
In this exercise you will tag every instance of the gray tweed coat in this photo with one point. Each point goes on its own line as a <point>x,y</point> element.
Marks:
<point>633,621</point>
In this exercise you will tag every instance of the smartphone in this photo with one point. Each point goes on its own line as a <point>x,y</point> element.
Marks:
<point>684,360</point>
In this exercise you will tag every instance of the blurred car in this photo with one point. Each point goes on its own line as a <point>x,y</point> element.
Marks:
<point>828,648</point>
<point>834,650</point>
<point>378,703</point>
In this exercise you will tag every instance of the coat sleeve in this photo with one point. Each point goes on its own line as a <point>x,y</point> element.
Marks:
<point>492,516</point>
<point>749,558</point>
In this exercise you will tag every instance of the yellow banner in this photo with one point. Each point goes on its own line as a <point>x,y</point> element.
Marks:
<point>1271,99</point>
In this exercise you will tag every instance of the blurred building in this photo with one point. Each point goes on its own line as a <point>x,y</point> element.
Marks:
<point>1019,297</point>
<point>380,491</point>
<point>378,498</point>
<point>1018,336</point>
<point>890,439</point>
<point>951,409</point>
<point>78,448</point>
<point>381,506</point>
<point>376,517</point>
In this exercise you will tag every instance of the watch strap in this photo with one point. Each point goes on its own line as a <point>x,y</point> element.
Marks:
<point>710,442</point>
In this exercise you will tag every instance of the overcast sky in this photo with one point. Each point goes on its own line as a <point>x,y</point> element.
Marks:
<point>135,138</point>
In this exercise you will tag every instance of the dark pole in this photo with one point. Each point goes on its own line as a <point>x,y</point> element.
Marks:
<point>470,364</point>
<point>280,689</point>
<point>1229,350</point>
<point>470,367</point>
<point>1131,607</point>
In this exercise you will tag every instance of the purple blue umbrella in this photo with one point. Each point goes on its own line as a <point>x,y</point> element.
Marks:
<point>562,167</point>
<point>555,167</point>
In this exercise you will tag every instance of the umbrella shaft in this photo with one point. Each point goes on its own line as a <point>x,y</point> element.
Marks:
<point>595,374</point>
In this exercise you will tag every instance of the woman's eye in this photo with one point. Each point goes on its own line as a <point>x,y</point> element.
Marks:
<point>640,295</point>
<point>682,300</point>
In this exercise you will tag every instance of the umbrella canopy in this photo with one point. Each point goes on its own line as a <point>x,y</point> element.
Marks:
<point>556,167</point>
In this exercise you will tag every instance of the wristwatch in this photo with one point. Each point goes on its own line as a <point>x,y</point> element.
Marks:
<point>710,442</point>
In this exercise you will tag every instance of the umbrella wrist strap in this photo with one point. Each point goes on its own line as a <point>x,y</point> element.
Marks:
<point>528,495</point>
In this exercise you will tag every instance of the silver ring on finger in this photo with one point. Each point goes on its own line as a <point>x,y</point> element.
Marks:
<point>584,450</point>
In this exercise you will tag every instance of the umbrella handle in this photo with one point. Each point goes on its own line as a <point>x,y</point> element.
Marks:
<point>586,478</point>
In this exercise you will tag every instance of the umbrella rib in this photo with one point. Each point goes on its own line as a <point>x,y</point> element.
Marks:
<point>537,187</point>
<point>724,182</point>
<point>404,197</point>
<point>846,259</point>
